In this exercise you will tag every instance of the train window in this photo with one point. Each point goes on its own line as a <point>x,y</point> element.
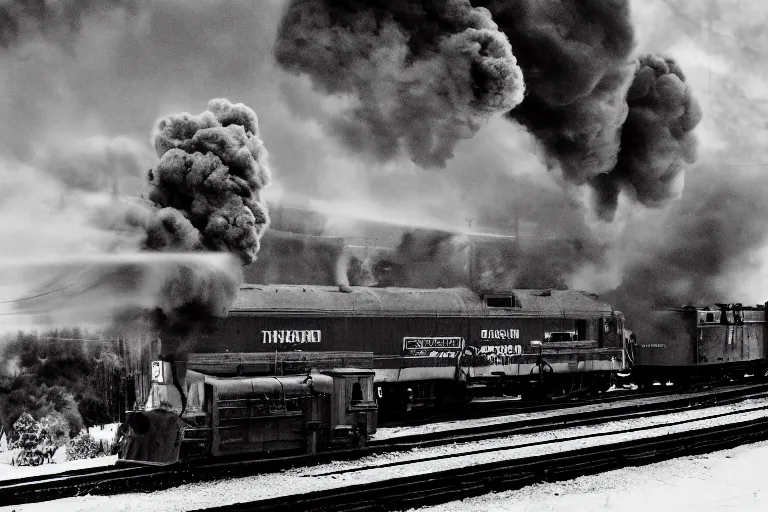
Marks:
<point>499,302</point>
<point>710,317</point>
<point>357,392</point>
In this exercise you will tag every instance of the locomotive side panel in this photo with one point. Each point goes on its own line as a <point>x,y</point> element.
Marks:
<point>718,344</point>
<point>570,345</point>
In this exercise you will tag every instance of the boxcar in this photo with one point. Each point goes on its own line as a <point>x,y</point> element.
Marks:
<point>701,343</point>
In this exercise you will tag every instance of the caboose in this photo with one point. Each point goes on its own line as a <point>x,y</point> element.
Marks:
<point>696,344</point>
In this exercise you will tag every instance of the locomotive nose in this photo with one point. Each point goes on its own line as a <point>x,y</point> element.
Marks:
<point>151,437</point>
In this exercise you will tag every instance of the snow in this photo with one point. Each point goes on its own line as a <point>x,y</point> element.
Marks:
<point>385,433</point>
<point>9,472</point>
<point>393,465</point>
<point>726,480</point>
<point>104,433</point>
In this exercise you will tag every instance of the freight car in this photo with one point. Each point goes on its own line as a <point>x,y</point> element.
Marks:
<point>425,347</point>
<point>700,344</point>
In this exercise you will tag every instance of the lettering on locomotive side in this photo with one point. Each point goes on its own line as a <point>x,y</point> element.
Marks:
<point>654,345</point>
<point>291,337</point>
<point>449,347</point>
<point>499,334</point>
<point>501,350</point>
<point>420,343</point>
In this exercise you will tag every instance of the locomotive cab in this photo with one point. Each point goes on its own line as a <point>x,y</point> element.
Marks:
<point>354,410</point>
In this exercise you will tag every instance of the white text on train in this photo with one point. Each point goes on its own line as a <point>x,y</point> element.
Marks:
<point>290,336</point>
<point>502,350</point>
<point>500,334</point>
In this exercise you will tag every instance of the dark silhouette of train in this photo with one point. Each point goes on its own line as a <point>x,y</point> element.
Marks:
<point>308,368</point>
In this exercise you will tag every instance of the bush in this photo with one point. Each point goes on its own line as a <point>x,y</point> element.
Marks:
<point>84,447</point>
<point>93,410</point>
<point>32,441</point>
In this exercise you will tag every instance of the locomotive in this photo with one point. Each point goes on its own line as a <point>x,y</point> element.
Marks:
<point>310,368</point>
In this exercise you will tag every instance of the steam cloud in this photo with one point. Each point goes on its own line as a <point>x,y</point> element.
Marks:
<point>422,76</point>
<point>432,259</point>
<point>207,184</point>
<point>657,138</point>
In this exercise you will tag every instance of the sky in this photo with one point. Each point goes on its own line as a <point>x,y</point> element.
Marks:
<point>82,85</point>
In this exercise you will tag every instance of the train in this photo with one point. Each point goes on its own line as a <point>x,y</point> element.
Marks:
<point>689,344</point>
<point>312,368</point>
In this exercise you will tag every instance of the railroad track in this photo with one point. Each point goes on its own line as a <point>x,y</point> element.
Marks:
<point>126,479</point>
<point>436,487</point>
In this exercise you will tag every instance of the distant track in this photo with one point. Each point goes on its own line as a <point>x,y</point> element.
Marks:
<point>127,479</point>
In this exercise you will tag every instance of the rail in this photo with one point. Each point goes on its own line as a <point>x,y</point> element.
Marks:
<point>128,479</point>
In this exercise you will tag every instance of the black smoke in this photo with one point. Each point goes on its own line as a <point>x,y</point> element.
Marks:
<point>657,139</point>
<point>421,75</point>
<point>207,185</point>
<point>707,249</point>
<point>576,61</point>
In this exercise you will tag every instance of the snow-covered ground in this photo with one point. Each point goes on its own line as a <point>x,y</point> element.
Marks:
<point>103,433</point>
<point>389,466</point>
<point>9,472</point>
<point>732,480</point>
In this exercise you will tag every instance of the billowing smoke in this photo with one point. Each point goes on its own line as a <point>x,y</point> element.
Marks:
<point>419,76</point>
<point>657,138</point>
<point>595,122</point>
<point>706,253</point>
<point>576,62</point>
<point>208,182</point>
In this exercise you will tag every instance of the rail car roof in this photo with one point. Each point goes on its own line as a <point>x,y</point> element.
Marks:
<point>289,299</point>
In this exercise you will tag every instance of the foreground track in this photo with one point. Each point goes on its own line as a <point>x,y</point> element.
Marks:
<point>455,484</point>
<point>127,479</point>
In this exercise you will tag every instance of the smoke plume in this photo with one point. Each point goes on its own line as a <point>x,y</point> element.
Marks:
<point>708,246</point>
<point>656,140</point>
<point>576,61</point>
<point>420,76</point>
<point>208,182</point>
